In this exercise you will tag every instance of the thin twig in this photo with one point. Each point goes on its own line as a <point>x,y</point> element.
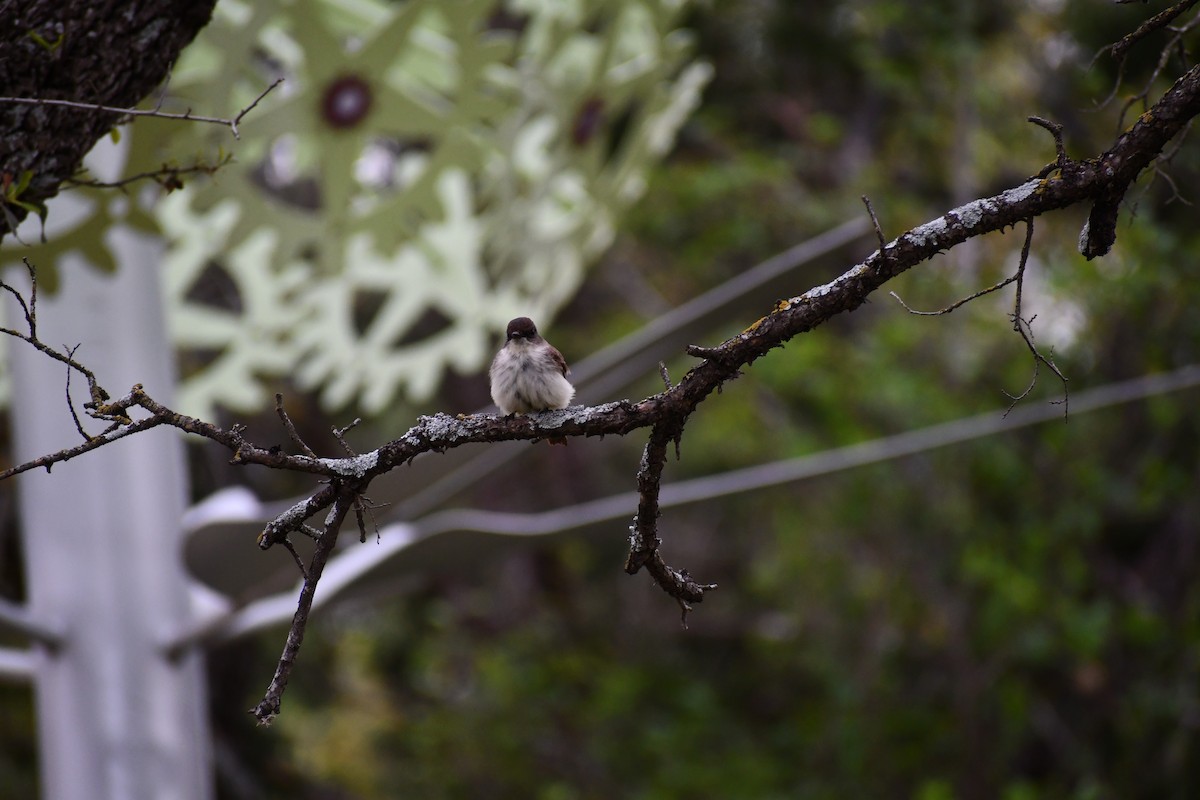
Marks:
<point>29,309</point>
<point>237,120</point>
<point>644,542</point>
<point>364,507</point>
<point>957,303</point>
<point>1176,195</point>
<point>291,429</point>
<point>358,518</point>
<point>875,221</point>
<point>186,116</point>
<point>70,403</point>
<point>1056,130</point>
<point>287,544</point>
<point>1119,49</point>
<point>1142,95</point>
<point>268,708</point>
<point>167,177</point>
<point>1023,327</point>
<point>666,376</point>
<point>50,459</point>
<point>340,435</point>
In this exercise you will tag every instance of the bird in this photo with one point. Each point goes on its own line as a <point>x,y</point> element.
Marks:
<point>529,374</point>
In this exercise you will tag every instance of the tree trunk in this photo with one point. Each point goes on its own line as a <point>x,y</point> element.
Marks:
<point>110,52</point>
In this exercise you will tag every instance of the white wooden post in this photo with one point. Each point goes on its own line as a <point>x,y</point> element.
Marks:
<point>117,718</point>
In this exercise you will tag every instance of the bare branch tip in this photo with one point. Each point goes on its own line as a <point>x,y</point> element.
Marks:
<point>706,353</point>
<point>684,610</point>
<point>293,434</point>
<point>287,543</point>
<point>666,377</point>
<point>265,713</point>
<point>340,435</point>
<point>875,221</point>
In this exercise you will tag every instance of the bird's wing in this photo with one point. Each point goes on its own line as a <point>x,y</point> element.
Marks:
<point>558,360</point>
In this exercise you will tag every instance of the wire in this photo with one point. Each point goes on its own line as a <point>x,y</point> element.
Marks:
<point>350,565</point>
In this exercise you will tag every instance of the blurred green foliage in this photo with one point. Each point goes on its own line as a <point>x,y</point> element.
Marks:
<point>1012,618</point>
<point>1015,618</point>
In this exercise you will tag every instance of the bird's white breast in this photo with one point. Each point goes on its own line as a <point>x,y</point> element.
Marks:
<point>526,379</point>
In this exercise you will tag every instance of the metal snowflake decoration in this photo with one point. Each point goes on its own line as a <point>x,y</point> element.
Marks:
<point>427,171</point>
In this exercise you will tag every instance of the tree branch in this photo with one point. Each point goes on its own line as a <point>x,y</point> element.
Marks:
<point>1102,181</point>
<point>643,533</point>
<point>268,708</point>
<point>186,116</point>
<point>1159,21</point>
<point>50,50</point>
<point>167,176</point>
<point>1023,328</point>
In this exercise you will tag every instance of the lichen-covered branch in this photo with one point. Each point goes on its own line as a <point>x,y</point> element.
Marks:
<point>1101,182</point>
<point>268,708</point>
<point>1162,19</point>
<point>643,533</point>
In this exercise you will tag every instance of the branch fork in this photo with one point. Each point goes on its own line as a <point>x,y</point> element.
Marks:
<point>1101,181</point>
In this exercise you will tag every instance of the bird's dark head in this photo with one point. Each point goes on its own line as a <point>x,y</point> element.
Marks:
<point>521,328</point>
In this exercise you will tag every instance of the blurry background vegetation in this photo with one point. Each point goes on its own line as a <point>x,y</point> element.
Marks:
<point>1013,618</point>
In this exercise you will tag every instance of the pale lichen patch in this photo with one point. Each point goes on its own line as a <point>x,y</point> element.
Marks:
<point>1022,192</point>
<point>970,214</point>
<point>930,234</point>
<point>857,271</point>
<point>553,418</point>
<point>355,467</point>
<point>445,428</point>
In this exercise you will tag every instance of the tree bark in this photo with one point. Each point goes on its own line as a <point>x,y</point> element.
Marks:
<point>110,52</point>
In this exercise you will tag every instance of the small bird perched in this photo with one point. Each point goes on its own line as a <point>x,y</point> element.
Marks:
<point>529,374</point>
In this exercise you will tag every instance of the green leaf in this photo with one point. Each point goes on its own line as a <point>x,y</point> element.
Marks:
<point>13,190</point>
<point>42,42</point>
